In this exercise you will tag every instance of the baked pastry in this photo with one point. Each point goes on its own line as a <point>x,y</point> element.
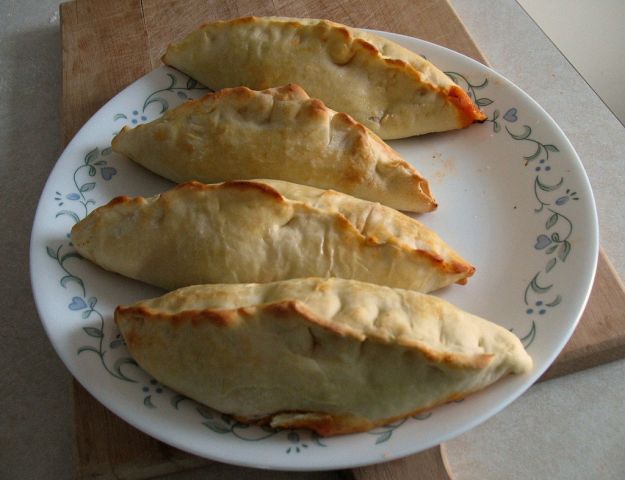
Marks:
<point>278,133</point>
<point>391,90</point>
<point>264,231</point>
<point>333,355</point>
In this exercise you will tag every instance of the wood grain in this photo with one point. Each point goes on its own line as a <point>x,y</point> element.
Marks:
<point>104,49</point>
<point>426,465</point>
<point>109,44</point>
<point>600,335</point>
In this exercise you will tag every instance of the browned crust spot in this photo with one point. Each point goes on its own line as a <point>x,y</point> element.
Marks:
<point>449,267</point>
<point>364,46</point>
<point>452,267</point>
<point>468,112</point>
<point>396,62</point>
<point>315,108</point>
<point>123,199</point>
<point>240,20</point>
<point>349,121</point>
<point>465,268</point>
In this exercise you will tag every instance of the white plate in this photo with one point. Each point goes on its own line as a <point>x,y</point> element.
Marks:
<point>514,200</point>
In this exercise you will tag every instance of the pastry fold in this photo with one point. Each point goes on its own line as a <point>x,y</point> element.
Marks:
<point>391,90</point>
<point>333,355</point>
<point>279,133</point>
<point>264,231</point>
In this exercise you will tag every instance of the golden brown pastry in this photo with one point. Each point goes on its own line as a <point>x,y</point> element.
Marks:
<point>278,133</point>
<point>391,90</point>
<point>336,356</point>
<point>264,231</point>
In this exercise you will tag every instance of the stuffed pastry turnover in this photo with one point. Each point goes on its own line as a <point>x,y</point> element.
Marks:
<point>393,91</point>
<point>278,133</point>
<point>264,231</point>
<point>333,355</point>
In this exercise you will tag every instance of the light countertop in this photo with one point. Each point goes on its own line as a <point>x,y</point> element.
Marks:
<point>571,427</point>
<point>566,428</point>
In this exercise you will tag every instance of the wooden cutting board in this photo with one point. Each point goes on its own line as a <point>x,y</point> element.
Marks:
<point>108,44</point>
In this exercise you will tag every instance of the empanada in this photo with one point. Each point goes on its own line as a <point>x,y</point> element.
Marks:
<point>264,231</point>
<point>278,133</point>
<point>333,355</point>
<point>391,90</point>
